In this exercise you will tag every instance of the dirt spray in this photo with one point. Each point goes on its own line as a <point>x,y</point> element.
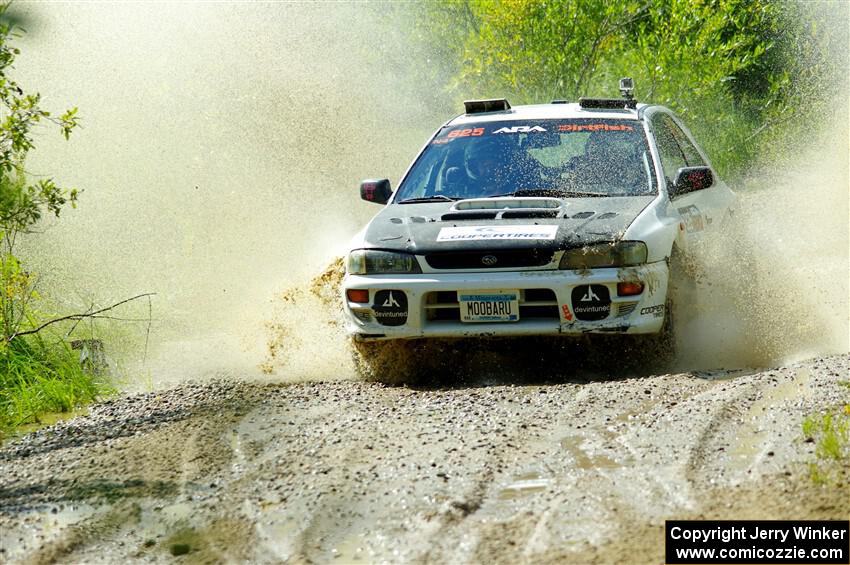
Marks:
<point>219,157</point>
<point>774,284</point>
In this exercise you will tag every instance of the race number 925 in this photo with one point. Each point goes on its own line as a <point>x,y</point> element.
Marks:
<point>468,132</point>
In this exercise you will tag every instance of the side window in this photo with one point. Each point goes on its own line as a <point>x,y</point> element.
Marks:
<point>692,156</point>
<point>423,176</point>
<point>672,158</point>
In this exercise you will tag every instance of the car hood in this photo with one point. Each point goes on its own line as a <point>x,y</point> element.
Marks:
<point>450,226</point>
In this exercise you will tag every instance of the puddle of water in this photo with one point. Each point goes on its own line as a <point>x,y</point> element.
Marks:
<point>748,447</point>
<point>584,460</point>
<point>642,409</point>
<point>46,523</point>
<point>524,485</point>
<point>181,512</point>
<point>750,440</point>
<point>279,529</point>
<point>724,374</point>
<point>351,550</point>
<point>45,420</point>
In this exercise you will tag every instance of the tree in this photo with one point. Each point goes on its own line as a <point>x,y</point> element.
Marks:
<point>735,69</point>
<point>23,202</point>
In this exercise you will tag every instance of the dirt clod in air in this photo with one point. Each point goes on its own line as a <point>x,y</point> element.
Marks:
<point>305,335</point>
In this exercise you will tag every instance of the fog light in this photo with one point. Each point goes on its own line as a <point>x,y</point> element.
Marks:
<point>357,295</point>
<point>629,288</point>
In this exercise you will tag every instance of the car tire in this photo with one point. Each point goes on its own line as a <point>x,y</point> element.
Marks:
<point>665,344</point>
<point>393,362</point>
<point>661,348</point>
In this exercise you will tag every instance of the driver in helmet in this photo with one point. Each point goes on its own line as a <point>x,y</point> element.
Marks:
<point>487,166</point>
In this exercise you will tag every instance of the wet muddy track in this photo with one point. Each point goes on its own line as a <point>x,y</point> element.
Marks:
<point>350,471</point>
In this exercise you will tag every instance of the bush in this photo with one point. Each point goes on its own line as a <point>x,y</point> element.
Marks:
<point>39,376</point>
<point>38,372</point>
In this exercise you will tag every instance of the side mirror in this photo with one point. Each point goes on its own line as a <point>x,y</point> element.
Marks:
<point>376,190</point>
<point>690,179</point>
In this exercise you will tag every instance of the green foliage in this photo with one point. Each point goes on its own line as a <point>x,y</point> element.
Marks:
<point>831,434</point>
<point>23,202</point>
<point>38,376</point>
<point>743,73</point>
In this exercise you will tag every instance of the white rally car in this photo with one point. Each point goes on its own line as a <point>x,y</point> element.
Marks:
<point>560,218</point>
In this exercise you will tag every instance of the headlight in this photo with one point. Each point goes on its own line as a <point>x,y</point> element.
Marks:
<point>368,262</point>
<point>614,254</point>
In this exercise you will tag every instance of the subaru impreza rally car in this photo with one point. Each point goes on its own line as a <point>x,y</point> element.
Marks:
<point>560,218</point>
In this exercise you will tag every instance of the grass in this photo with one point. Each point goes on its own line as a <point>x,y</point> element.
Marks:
<point>38,377</point>
<point>831,434</point>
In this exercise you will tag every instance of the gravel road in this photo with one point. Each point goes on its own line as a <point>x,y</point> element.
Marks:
<point>579,469</point>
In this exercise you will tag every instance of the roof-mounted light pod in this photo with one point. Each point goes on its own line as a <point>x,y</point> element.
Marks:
<point>482,106</point>
<point>603,103</point>
<point>627,90</point>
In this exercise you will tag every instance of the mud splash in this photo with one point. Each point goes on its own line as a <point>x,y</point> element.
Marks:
<point>223,164</point>
<point>305,336</point>
<point>226,183</point>
<point>773,286</point>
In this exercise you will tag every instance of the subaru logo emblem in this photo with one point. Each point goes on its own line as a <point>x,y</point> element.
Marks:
<point>489,260</point>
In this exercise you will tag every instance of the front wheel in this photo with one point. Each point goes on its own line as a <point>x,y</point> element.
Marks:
<point>660,349</point>
<point>397,361</point>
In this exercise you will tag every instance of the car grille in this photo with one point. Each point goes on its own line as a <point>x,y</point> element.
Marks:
<point>537,303</point>
<point>504,258</point>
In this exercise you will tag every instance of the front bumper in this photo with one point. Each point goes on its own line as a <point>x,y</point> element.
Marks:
<point>546,302</point>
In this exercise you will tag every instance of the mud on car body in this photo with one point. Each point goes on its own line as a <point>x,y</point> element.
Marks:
<point>534,220</point>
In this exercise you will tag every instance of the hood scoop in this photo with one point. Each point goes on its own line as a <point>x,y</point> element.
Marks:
<point>507,203</point>
<point>504,208</point>
<point>471,215</point>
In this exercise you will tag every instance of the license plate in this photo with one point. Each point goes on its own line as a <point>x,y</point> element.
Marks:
<point>489,305</point>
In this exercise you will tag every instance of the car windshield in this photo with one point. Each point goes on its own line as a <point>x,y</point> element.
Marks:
<point>561,158</point>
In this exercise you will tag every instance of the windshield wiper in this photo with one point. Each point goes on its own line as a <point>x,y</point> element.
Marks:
<point>552,192</point>
<point>583,194</point>
<point>434,198</point>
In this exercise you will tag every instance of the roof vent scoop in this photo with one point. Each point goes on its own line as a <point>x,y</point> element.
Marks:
<point>482,106</point>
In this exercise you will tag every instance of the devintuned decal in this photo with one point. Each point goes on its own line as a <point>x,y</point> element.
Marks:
<point>693,218</point>
<point>390,307</point>
<point>656,311</point>
<point>477,233</point>
<point>568,316</point>
<point>595,127</point>
<point>591,302</point>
